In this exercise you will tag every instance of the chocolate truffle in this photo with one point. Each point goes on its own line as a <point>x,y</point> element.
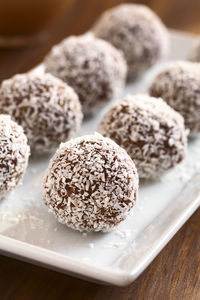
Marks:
<point>179,85</point>
<point>138,32</point>
<point>14,153</point>
<point>91,184</point>
<point>93,67</point>
<point>194,54</point>
<point>151,132</point>
<point>48,110</point>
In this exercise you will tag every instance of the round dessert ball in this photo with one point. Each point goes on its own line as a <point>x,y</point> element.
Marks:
<point>151,132</point>
<point>194,54</point>
<point>93,67</point>
<point>91,184</point>
<point>48,110</point>
<point>138,32</point>
<point>179,85</point>
<point>14,154</point>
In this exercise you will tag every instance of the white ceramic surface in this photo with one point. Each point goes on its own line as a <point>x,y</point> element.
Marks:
<point>29,232</point>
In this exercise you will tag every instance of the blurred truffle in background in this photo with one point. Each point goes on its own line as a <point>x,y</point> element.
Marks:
<point>179,85</point>
<point>194,54</point>
<point>94,68</point>
<point>138,32</point>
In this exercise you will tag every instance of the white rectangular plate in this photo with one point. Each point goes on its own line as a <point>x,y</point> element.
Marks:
<point>29,232</point>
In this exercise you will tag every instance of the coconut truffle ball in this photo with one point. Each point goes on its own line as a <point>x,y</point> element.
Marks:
<point>179,85</point>
<point>138,32</point>
<point>194,54</point>
<point>91,184</point>
<point>93,67</point>
<point>14,153</point>
<point>151,132</point>
<point>48,110</point>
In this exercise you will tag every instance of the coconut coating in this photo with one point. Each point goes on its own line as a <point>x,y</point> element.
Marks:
<point>91,184</point>
<point>151,132</point>
<point>14,153</point>
<point>138,32</point>
<point>179,85</point>
<point>48,110</point>
<point>93,67</point>
<point>194,54</point>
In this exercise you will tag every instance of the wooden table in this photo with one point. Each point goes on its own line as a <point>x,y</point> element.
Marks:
<point>175,273</point>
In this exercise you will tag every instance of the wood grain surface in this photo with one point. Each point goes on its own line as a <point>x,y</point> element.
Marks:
<point>175,273</point>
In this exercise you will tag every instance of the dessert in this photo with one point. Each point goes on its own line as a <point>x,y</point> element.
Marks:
<point>91,184</point>
<point>179,85</point>
<point>151,132</point>
<point>194,54</point>
<point>48,110</point>
<point>138,32</point>
<point>93,67</point>
<point>14,154</point>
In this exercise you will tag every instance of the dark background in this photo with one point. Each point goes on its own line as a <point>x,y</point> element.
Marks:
<point>81,14</point>
<point>175,273</point>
